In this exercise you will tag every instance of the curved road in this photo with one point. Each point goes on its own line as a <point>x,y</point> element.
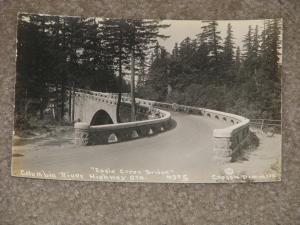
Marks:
<point>183,154</point>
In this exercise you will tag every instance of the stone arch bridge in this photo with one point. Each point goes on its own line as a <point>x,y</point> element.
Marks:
<point>95,113</point>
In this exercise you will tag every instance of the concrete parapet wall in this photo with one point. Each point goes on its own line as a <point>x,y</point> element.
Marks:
<point>127,131</point>
<point>227,141</point>
<point>111,133</point>
<point>117,132</point>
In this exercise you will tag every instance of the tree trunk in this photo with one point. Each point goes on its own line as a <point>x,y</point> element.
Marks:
<point>26,105</point>
<point>255,80</point>
<point>70,105</point>
<point>43,101</point>
<point>57,102</point>
<point>41,108</point>
<point>132,86</point>
<point>119,93</point>
<point>62,97</point>
<point>73,107</point>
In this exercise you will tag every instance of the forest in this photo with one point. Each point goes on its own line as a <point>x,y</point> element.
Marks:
<point>56,54</point>
<point>217,74</point>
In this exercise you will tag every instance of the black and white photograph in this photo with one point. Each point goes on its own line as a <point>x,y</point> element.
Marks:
<point>147,100</point>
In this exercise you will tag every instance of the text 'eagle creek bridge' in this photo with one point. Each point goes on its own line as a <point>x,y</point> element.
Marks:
<point>92,108</point>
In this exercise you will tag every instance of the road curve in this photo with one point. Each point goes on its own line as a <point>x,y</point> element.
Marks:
<point>186,150</point>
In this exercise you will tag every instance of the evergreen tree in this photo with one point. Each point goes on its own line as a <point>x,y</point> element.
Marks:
<point>247,44</point>
<point>117,44</point>
<point>269,73</point>
<point>156,84</point>
<point>211,36</point>
<point>143,35</point>
<point>237,59</point>
<point>56,53</point>
<point>175,51</point>
<point>228,57</point>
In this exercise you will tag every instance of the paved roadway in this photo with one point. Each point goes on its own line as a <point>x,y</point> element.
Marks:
<point>181,154</point>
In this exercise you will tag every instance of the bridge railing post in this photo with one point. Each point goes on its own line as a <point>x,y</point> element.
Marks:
<point>81,133</point>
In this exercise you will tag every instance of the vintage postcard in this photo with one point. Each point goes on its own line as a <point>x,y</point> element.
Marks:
<point>147,100</point>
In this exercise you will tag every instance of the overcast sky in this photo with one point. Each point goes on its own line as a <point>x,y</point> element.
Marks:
<point>180,29</point>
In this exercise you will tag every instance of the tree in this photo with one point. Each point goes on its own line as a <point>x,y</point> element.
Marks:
<point>34,63</point>
<point>269,73</point>
<point>237,59</point>
<point>196,79</point>
<point>211,36</point>
<point>143,35</point>
<point>56,53</point>
<point>228,57</point>
<point>155,87</point>
<point>247,44</point>
<point>117,44</point>
<point>175,51</point>
<point>142,69</point>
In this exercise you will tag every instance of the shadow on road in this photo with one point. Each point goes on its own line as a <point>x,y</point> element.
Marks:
<point>173,124</point>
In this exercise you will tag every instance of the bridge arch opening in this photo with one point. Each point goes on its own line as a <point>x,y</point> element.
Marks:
<point>101,117</point>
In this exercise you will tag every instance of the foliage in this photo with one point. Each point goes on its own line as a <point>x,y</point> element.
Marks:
<point>56,54</point>
<point>207,73</point>
<point>60,53</point>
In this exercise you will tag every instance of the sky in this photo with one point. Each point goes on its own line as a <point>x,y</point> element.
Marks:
<point>180,29</point>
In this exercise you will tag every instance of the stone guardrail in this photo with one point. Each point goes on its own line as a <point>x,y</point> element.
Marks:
<point>227,141</point>
<point>111,133</point>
